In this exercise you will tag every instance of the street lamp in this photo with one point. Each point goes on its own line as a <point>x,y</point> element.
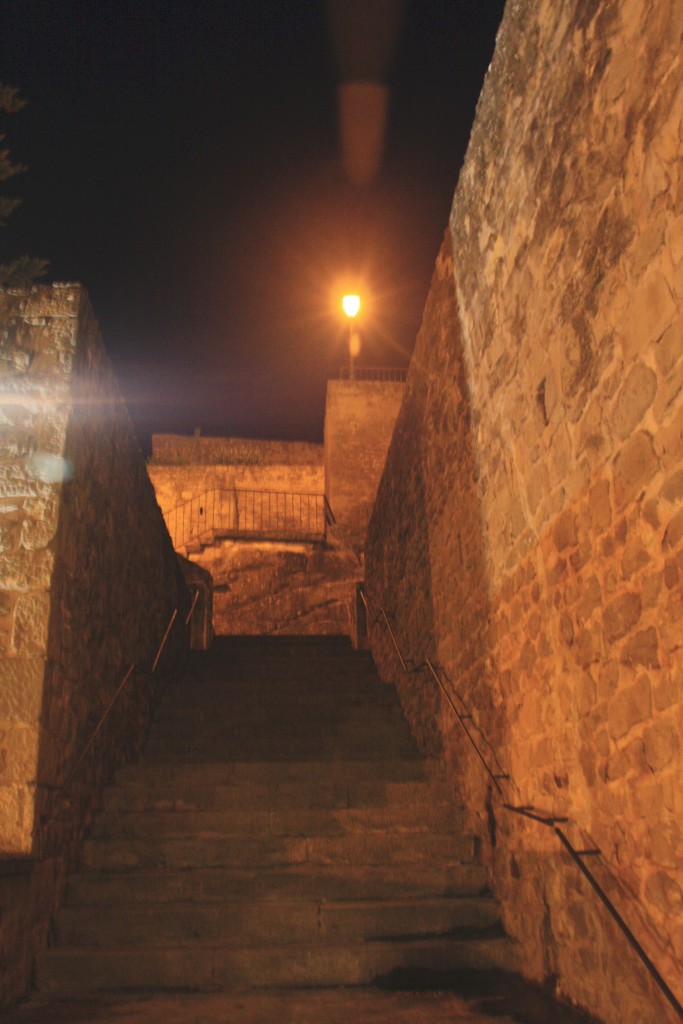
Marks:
<point>351,306</point>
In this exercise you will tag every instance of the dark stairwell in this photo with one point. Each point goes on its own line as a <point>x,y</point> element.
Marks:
<point>281,830</point>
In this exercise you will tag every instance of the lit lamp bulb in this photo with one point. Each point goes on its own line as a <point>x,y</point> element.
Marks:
<point>351,306</point>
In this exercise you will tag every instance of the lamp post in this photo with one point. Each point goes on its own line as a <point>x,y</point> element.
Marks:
<point>351,306</point>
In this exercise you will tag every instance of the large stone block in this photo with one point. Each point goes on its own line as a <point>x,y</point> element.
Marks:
<point>634,467</point>
<point>652,311</point>
<point>31,623</point>
<point>21,694</point>
<point>642,649</point>
<point>661,744</point>
<point>634,399</point>
<point>621,615</point>
<point>674,531</point>
<point>16,819</point>
<point>19,751</point>
<point>26,570</point>
<point>670,348</point>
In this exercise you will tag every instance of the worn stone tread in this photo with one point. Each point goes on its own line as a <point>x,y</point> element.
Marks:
<point>292,882</point>
<point>237,854</point>
<point>276,772</point>
<point>441,819</point>
<point>192,794</point>
<point>258,923</point>
<point>210,966</point>
<point>212,851</point>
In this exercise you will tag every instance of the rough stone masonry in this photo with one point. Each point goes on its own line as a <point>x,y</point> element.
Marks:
<point>528,532</point>
<point>88,582</point>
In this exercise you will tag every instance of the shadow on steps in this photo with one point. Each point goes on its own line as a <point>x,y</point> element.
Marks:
<point>494,992</point>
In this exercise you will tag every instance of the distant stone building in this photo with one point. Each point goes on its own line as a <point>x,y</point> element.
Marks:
<point>280,525</point>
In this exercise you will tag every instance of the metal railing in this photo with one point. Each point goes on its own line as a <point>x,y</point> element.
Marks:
<point>224,513</point>
<point>491,766</point>
<point>57,790</point>
<point>393,374</point>
<point>122,685</point>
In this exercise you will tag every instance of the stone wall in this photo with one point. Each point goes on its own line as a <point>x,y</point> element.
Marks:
<point>177,484</point>
<point>528,531</point>
<point>88,584</point>
<point>268,588</point>
<point>177,449</point>
<point>359,419</point>
<point>259,587</point>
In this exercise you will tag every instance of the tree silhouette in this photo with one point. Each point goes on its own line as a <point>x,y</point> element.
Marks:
<point>24,269</point>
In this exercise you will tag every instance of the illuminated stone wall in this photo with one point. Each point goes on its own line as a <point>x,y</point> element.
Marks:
<point>259,587</point>
<point>245,453</point>
<point>182,468</point>
<point>528,532</point>
<point>268,587</point>
<point>359,420</point>
<point>88,582</point>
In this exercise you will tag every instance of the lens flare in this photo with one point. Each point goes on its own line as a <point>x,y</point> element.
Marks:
<point>51,469</point>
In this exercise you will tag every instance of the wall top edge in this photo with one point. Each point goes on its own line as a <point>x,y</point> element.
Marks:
<point>181,449</point>
<point>38,288</point>
<point>365,385</point>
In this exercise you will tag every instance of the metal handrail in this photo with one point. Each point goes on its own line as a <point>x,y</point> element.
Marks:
<point>330,518</point>
<point>192,607</point>
<point>74,770</point>
<point>494,777</point>
<point>549,821</point>
<point>239,514</point>
<point>66,782</point>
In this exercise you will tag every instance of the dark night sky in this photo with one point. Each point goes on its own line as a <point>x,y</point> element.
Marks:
<point>183,165</point>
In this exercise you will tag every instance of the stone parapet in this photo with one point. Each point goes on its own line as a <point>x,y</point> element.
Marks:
<point>180,450</point>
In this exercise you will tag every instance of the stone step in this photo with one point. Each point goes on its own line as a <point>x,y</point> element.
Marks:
<point>320,696</point>
<point>370,716</point>
<point>66,970</point>
<point>284,884</point>
<point>440,819</point>
<point>190,793</point>
<point>317,679</point>
<point>217,773</point>
<point>261,744</point>
<point>314,673</point>
<point>228,709</point>
<point>227,705</point>
<point>317,668</point>
<point>227,851</point>
<point>266,923</point>
<point>281,830</point>
<point>268,737</point>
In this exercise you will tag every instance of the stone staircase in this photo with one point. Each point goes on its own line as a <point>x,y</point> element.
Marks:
<point>281,830</point>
